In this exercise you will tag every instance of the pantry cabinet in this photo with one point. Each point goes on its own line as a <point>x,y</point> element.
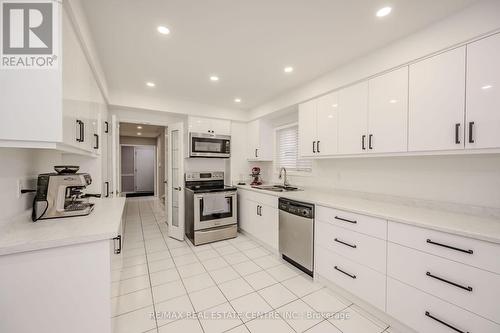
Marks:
<point>437,102</point>
<point>209,125</point>
<point>388,112</point>
<point>482,124</point>
<point>318,126</point>
<point>259,138</point>
<point>353,119</point>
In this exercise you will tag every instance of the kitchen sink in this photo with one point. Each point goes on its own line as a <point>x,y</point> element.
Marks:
<point>276,188</point>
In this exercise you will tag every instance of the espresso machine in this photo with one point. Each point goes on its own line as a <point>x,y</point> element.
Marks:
<point>61,194</point>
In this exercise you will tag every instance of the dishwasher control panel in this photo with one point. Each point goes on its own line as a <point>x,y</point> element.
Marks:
<point>296,208</point>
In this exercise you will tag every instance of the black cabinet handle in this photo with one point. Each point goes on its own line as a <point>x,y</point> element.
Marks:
<point>256,153</point>
<point>449,282</point>
<point>345,220</point>
<point>370,141</point>
<point>80,137</point>
<point>363,137</point>
<point>471,135</point>
<point>427,313</point>
<point>450,247</point>
<point>317,146</point>
<point>82,131</point>
<point>107,189</point>
<point>96,141</point>
<point>457,134</point>
<point>106,127</point>
<point>344,243</point>
<point>344,272</point>
<point>260,210</point>
<point>257,210</point>
<point>119,239</point>
<point>314,147</point>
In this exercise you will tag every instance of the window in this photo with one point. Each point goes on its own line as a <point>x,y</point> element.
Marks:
<point>287,150</point>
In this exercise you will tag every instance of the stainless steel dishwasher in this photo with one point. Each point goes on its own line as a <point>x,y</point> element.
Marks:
<point>296,234</point>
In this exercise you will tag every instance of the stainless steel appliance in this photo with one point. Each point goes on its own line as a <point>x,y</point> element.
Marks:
<point>61,194</point>
<point>209,145</point>
<point>210,208</point>
<point>296,234</point>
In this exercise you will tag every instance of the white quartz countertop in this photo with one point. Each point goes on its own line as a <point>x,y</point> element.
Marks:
<point>103,222</point>
<point>483,228</point>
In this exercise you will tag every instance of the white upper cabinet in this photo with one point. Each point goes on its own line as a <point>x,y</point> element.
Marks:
<point>483,94</point>
<point>327,125</point>
<point>318,121</point>
<point>353,119</point>
<point>260,141</point>
<point>388,112</point>
<point>307,128</point>
<point>437,102</point>
<point>209,125</point>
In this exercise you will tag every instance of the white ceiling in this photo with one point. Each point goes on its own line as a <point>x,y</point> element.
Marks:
<point>246,43</point>
<point>147,131</point>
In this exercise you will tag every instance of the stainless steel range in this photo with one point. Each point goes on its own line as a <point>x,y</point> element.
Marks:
<point>211,208</point>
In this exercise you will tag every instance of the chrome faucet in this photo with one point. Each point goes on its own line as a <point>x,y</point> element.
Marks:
<point>285,178</point>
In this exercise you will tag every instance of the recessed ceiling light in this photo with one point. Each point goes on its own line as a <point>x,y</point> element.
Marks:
<point>237,100</point>
<point>214,78</point>
<point>163,30</point>
<point>384,11</point>
<point>150,84</point>
<point>139,133</point>
<point>393,101</point>
<point>486,87</point>
<point>139,127</point>
<point>334,105</point>
<point>288,69</point>
<point>330,116</point>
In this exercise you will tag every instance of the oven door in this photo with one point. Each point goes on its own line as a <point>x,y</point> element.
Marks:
<point>204,218</point>
<point>208,145</point>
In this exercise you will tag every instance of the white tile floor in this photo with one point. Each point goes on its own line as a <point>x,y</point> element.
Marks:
<point>229,286</point>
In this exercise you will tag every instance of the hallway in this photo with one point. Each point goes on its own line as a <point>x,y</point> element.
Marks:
<point>229,286</point>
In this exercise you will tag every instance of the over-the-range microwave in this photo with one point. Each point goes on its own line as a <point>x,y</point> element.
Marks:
<point>209,145</point>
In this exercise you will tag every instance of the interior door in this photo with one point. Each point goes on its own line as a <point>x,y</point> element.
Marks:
<point>175,193</point>
<point>144,168</point>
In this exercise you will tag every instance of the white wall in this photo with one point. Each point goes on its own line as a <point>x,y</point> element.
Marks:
<point>477,20</point>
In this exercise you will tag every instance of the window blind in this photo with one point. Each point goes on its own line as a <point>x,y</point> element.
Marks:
<point>287,150</point>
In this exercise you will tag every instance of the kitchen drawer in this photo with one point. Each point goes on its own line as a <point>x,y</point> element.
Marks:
<point>261,198</point>
<point>410,305</point>
<point>360,280</point>
<point>447,279</point>
<point>363,249</point>
<point>462,249</point>
<point>356,222</point>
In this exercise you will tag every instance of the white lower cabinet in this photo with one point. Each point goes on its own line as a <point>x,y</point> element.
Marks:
<point>258,216</point>
<point>358,279</point>
<point>468,287</point>
<point>426,313</point>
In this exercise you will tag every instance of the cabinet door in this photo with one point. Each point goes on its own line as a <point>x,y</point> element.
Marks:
<point>483,93</point>
<point>220,127</point>
<point>268,226</point>
<point>248,215</point>
<point>437,102</point>
<point>327,125</point>
<point>253,140</point>
<point>388,112</point>
<point>353,114</point>
<point>199,125</point>
<point>307,128</point>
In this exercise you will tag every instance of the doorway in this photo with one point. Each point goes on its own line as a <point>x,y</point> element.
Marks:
<point>142,160</point>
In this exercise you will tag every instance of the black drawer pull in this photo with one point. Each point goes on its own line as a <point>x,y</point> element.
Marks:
<point>106,127</point>
<point>450,247</point>
<point>429,274</point>
<point>344,272</point>
<point>347,244</point>
<point>471,135</point>
<point>345,220</point>
<point>427,313</point>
